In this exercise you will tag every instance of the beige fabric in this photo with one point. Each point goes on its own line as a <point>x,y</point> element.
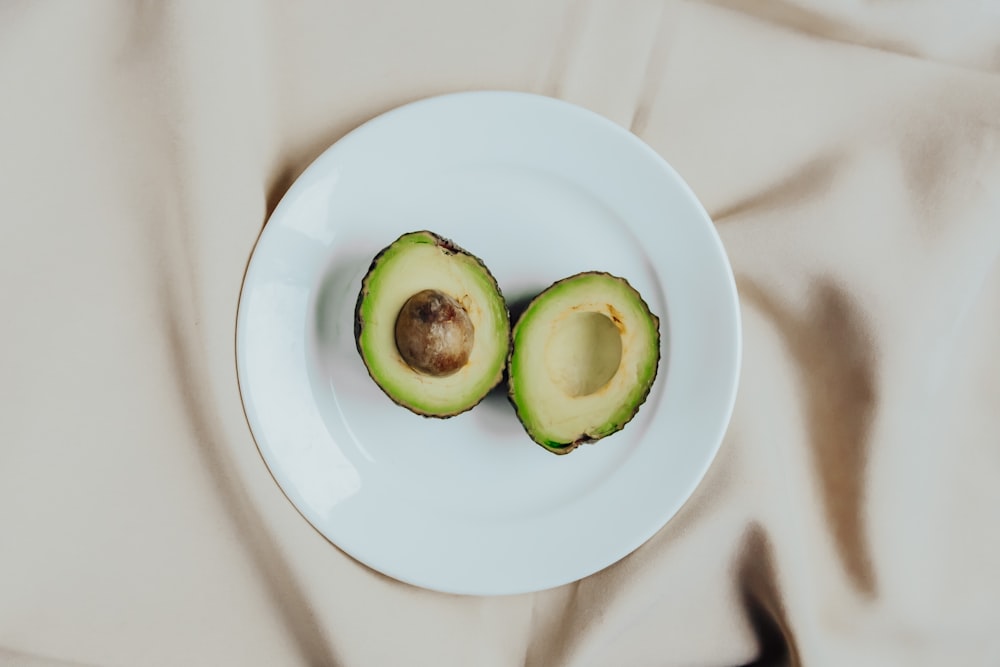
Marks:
<point>850,154</point>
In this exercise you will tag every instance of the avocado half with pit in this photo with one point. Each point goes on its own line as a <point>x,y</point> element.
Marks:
<point>432,325</point>
<point>584,357</point>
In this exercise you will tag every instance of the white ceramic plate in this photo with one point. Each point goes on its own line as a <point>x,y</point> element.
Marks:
<point>539,189</point>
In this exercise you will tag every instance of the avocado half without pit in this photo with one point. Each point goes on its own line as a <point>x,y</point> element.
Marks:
<point>432,325</point>
<point>585,354</point>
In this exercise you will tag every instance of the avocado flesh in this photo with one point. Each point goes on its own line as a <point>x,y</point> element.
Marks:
<point>425,261</point>
<point>584,357</point>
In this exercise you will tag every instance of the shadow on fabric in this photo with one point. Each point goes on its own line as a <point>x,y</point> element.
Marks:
<point>762,601</point>
<point>834,354</point>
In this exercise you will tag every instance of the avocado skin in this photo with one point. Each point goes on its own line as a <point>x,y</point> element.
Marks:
<point>451,248</point>
<point>559,448</point>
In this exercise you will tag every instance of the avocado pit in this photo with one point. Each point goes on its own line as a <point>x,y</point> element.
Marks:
<point>434,334</point>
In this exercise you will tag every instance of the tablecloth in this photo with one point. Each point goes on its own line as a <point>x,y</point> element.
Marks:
<point>849,155</point>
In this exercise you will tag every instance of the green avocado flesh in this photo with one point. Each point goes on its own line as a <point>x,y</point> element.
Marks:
<point>423,262</point>
<point>585,354</point>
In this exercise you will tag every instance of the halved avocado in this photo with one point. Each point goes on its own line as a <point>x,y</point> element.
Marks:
<point>432,325</point>
<point>584,357</point>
